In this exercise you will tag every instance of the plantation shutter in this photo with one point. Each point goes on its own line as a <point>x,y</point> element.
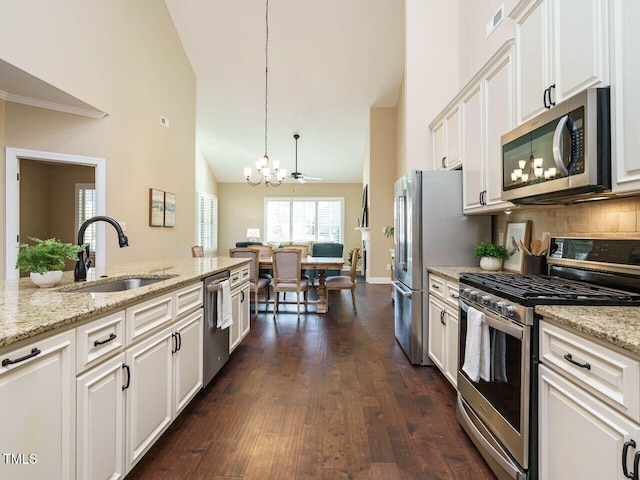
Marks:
<point>85,209</point>
<point>207,222</point>
<point>279,221</point>
<point>304,220</point>
<point>329,220</point>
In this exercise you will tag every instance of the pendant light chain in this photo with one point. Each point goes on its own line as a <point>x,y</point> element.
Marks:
<point>266,75</point>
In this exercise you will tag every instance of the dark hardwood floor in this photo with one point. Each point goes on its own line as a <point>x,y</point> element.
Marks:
<point>321,397</point>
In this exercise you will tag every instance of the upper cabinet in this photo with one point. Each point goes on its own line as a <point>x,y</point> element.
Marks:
<point>625,95</point>
<point>446,139</point>
<point>561,49</point>
<point>487,113</point>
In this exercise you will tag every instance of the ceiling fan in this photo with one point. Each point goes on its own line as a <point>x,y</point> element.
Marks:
<point>296,175</point>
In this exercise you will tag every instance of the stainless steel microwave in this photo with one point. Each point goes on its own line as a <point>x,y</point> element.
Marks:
<point>562,155</point>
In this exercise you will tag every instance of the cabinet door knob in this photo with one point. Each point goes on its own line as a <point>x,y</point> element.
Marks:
<point>625,450</point>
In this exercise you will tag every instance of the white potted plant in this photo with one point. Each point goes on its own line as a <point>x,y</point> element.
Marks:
<point>491,255</point>
<point>45,260</point>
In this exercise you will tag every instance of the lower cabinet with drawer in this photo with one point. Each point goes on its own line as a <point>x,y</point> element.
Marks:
<point>589,401</point>
<point>240,307</point>
<point>125,402</point>
<point>38,409</point>
<point>443,326</point>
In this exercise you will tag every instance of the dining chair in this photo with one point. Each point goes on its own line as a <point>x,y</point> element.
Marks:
<point>264,251</point>
<point>342,282</point>
<point>286,276</point>
<point>325,249</point>
<point>197,251</point>
<point>255,282</point>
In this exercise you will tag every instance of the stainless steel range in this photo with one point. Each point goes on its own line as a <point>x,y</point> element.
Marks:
<point>498,354</point>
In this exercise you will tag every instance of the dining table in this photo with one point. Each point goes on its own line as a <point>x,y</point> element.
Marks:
<point>322,264</point>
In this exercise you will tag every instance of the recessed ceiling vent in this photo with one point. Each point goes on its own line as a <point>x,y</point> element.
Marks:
<point>494,21</point>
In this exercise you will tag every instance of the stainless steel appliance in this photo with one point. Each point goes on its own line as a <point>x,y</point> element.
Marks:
<point>429,230</point>
<point>499,409</point>
<point>216,340</point>
<point>561,155</point>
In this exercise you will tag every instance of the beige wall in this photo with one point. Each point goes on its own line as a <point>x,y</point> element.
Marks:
<point>241,206</point>
<point>126,59</point>
<point>383,141</point>
<point>401,156</point>
<point>610,218</point>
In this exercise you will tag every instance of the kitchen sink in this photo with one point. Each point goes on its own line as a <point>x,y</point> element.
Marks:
<point>118,284</point>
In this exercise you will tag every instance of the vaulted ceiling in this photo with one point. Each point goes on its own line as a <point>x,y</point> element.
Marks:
<point>329,62</point>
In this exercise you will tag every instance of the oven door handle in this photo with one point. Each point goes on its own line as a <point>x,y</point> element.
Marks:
<point>501,325</point>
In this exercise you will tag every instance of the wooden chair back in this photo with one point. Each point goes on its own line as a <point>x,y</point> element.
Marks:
<point>251,254</point>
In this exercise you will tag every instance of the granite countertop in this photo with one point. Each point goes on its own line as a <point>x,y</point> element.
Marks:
<point>453,273</point>
<point>618,326</point>
<point>27,310</point>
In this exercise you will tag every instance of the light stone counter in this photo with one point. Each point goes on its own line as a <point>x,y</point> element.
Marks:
<point>27,310</point>
<point>453,273</point>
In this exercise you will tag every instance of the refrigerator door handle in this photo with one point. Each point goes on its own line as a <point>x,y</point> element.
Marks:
<point>402,289</point>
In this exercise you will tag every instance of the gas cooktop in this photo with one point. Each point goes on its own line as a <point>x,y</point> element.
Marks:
<point>530,290</point>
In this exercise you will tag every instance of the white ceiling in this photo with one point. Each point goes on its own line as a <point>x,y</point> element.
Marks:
<point>329,62</point>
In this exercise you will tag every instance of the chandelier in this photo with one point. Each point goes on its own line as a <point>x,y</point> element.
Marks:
<point>267,176</point>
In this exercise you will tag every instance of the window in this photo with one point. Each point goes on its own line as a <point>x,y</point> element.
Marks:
<point>304,219</point>
<point>85,209</point>
<point>207,221</point>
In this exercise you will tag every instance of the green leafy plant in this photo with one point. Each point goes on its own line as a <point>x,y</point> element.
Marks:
<point>488,249</point>
<point>388,231</point>
<point>350,256</point>
<point>46,255</point>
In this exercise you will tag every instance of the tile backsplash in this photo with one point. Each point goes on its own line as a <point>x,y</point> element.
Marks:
<point>608,218</point>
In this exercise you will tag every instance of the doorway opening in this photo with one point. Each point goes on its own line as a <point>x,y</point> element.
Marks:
<point>42,194</point>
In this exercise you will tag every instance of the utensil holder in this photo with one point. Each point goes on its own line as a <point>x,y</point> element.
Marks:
<point>535,264</point>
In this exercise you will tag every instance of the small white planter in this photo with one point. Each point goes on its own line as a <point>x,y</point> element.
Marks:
<point>490,263</point>
<point>44,280</point>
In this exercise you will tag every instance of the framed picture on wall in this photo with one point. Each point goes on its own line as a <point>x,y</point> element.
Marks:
<point>156,207</point>
<point>516,232</point>
<point>169,209</point>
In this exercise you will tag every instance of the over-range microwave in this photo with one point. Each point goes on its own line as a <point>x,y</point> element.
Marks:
<point>562,155</point>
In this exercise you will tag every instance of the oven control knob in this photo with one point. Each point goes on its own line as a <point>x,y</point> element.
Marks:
<point>485,299</point>
<point>509,311</point>
<point>473,295</point>
<point>500,306</point>
<point>466,292</point>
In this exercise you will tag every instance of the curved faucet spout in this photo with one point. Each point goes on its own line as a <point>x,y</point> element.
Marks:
<point>80,272</point>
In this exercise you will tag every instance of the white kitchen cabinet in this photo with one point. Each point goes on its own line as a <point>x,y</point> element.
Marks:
<point>589,417</point>
<point>149,388</point>
<point>101,421</point>
<point>446,140</point>
<point>561,49</point>
<point>580,437</point>
<point>487,114</point>
<point>240,308</point>
<point>625,95</point>
<point>37,409</point>
<point>443,326</point>
<point>187,360</point>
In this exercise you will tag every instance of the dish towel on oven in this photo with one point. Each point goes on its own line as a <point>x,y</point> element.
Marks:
<point>477,347</point>
<point>225,319</point>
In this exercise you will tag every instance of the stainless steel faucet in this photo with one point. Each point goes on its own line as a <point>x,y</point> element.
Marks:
<point>83,264</point>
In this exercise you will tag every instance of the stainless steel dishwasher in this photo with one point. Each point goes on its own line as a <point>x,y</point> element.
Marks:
<point>216,340</point>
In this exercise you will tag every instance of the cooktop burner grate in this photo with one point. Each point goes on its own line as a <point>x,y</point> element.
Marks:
<point>539,290</point>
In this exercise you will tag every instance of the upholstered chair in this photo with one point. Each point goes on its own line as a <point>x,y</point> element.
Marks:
<point>286,276</point>
<point>264,251</point>
<point>342,282</point>
<point>325,249</point>
<point>256,283</point>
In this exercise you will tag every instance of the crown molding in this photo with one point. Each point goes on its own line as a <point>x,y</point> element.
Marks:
<point>51,106</point>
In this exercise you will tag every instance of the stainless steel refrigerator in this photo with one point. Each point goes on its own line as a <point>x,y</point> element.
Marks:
<point>430,230</point>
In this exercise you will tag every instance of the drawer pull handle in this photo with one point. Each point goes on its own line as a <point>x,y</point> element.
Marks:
<point>625,450</point>
<point>636,466</point>
<point>102,342</point>
<point>34,352</point>
<point>442,315</point>
<point>454,295</point>
<point>436,287</point>
<point>569,358</point>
